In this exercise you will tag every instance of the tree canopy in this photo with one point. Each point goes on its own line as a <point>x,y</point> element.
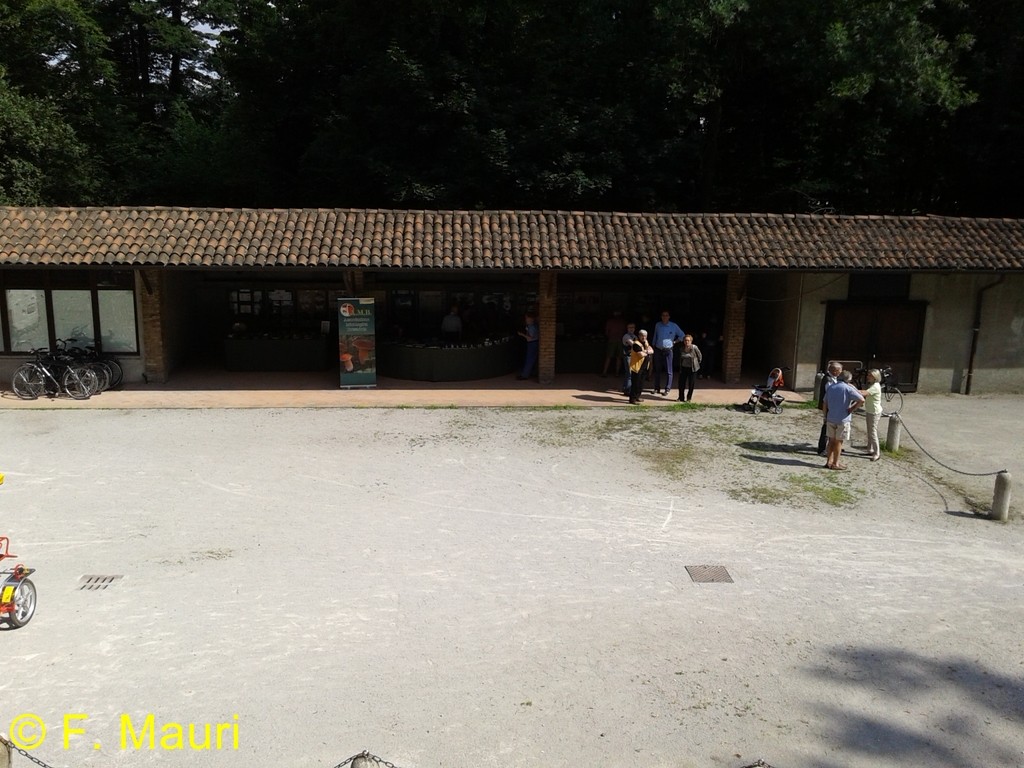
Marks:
<point>852,106</point>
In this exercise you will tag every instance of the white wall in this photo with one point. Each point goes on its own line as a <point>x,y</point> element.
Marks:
<point>949,323</point>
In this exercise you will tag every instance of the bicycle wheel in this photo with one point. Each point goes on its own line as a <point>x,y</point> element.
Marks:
<point>116,373</point>
<point>892,402</point>
<point>102,371</point>
<point>28,382</point>
<point>79,382</point>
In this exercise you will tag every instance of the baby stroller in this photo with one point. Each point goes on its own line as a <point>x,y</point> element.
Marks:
<point>765,397</point>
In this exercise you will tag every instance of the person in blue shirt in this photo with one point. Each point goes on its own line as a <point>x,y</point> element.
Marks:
<point>831,377</point>
<point>666,335</point>
<point>841,400</point>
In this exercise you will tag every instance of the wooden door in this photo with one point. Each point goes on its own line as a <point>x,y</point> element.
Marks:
<point>877,334</point>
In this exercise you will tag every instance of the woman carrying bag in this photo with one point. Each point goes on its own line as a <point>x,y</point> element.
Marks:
<point>689,364</point>
<point>639,365</point>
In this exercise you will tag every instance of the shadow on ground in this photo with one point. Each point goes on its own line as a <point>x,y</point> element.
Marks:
<point>960,694</point>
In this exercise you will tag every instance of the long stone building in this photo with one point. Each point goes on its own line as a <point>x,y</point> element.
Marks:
<point>939,299</point>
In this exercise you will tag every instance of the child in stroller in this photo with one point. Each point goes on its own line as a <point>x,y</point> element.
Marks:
<point>765,397</point>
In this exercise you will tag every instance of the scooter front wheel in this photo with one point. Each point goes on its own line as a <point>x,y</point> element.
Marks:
<point>24,603</point>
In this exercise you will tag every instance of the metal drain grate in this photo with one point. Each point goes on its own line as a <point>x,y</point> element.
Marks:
<point>709,574</point>
<point>94,583</point>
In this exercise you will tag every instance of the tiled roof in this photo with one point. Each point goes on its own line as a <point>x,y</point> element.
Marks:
<point>206,237</point>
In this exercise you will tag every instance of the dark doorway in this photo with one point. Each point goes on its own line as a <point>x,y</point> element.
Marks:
<point>877,334</point>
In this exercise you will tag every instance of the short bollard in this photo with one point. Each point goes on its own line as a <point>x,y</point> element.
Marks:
<point>892,436</point>
<point>1001,498</point>
<point>5,753</point>
<point>360,762</point>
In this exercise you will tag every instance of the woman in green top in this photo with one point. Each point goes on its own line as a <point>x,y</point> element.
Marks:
<point>873,411</point>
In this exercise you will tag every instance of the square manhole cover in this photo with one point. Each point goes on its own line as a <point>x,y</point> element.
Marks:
<point>709,574</point>
<point>94,583</point>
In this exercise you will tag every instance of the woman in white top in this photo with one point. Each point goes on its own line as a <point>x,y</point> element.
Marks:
<point>873,411</point>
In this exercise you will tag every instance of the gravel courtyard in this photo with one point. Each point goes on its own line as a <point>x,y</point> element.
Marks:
<point>508,587</point>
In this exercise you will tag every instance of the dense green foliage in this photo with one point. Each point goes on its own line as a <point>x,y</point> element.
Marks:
<point>855,106</point>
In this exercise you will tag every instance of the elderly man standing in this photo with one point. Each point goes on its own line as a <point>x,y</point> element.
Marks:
<point>841,400</point>
<point>831,377</point>
<point>666,335</point>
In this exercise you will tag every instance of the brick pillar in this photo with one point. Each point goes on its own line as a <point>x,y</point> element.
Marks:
<point>735,326</point>
<point>546,321</point>
<point>150,288</point>
<point>355,282</point>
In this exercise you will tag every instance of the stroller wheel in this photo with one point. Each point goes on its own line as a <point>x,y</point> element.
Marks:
<point>757,408</point>
<point>777,409</point>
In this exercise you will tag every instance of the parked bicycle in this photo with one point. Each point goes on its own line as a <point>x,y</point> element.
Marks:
<point>53,374</point>
<point>82,342</point>
<point>892,398</point>
<point>107,368</point>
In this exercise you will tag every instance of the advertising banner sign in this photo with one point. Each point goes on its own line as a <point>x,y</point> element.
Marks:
<point>357,343</point>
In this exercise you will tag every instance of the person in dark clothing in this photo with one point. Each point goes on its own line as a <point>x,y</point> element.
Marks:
<point>831,377</point>
<point>532,336</point>
<point>710,344</point>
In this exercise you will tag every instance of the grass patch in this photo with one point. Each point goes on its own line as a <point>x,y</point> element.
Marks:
<point>724,434</point>
<point>899,453</point>
<point>558,431</point>
<point>563,429</point>
<point>548,408</point>
<point>827,492</point>
<point>617,426</point>
<point>666,460</point>
<point>691,406</point>
<point>760,494</point>
<point>657,427</point>
<point>797,489</point>
<point>572,430</point>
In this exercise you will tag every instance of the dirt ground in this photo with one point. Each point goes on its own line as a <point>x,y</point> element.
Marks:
<point>508,587</point>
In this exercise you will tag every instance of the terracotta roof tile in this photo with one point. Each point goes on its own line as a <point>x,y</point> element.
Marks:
<point>571,240</point>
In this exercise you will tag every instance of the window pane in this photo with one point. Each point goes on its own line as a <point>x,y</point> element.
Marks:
<point>117,321</point>
<point>72,316</point>
<point>26,312</point>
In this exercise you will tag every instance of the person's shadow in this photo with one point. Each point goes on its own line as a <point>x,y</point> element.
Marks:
<point>763,449</point>
<point>602,398</point>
